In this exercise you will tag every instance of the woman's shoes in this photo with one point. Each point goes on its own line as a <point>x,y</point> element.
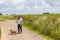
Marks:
<point>19,32</point>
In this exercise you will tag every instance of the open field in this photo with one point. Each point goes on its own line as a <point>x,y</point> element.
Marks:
<point>0,32</point>
<point>46,24</point>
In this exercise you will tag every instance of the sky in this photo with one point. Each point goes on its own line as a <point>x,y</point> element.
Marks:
<point>29,6</point>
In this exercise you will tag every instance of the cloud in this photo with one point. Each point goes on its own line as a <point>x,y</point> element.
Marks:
<point>16,2</point>
<point>29,6</point>
<point>2,1</point>
<point>53,2</point>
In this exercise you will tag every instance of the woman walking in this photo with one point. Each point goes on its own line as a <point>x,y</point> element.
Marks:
<point>19,24</point>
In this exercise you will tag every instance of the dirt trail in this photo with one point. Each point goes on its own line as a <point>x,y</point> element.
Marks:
<point>26,34</point>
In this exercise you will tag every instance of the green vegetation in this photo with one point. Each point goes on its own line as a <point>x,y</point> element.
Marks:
<point>2,18</point>
<point>10,17</point>
<point>0,32</point>
<point>46,24</point>
<point>0,13</point>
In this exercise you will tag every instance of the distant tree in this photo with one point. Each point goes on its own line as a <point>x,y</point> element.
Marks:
<point>46,13</point>
<point>6,14</point>
<point>0,13</point>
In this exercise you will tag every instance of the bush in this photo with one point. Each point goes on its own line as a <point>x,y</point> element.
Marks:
<point>46,31</point>
<point>0,13</point>
<point>48,25</point>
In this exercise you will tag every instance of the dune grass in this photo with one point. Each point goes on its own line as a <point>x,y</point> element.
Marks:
<point>0,32</point>
<point>46,24</point>
<point>8,17</point>
<point>2,18</point>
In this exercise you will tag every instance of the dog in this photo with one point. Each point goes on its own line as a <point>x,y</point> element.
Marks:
<point>13,32</point>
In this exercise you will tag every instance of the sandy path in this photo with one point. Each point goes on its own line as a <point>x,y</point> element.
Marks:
<point>26,34</point>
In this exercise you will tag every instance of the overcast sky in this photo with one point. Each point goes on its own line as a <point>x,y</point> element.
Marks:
<point>29,6</point>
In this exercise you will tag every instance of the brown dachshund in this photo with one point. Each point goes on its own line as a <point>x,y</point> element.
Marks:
<point>13,32</point>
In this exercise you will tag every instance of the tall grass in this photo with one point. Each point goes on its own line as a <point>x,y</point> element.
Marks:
<point>2,18</point>
<point>10,17</point>
<point>46,24</point>
<point>0,32</point>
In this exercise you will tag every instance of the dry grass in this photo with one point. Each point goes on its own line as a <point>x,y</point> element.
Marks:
<point>48,25</point>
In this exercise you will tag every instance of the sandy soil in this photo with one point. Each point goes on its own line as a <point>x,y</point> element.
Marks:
<point>26,34</point>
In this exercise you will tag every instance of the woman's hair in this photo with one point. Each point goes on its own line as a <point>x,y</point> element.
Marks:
<point>19,16</point>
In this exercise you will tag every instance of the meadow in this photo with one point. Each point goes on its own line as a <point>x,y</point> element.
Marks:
<point>46,24</point>
<point>8,17</point>
<point>0,32</point>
